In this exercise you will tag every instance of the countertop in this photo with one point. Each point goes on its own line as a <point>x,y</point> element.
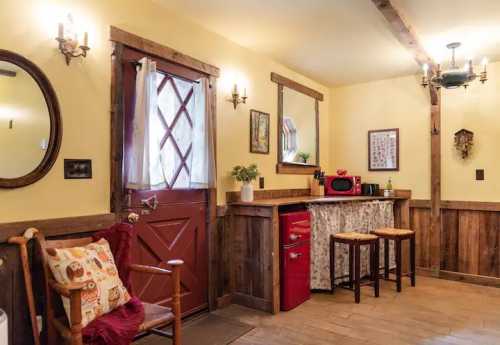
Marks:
<point>311,200</point>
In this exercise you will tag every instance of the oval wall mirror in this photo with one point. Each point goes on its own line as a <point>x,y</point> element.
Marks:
<point>30,122</point>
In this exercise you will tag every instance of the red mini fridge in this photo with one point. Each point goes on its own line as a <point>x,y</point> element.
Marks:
<point>295,258</point>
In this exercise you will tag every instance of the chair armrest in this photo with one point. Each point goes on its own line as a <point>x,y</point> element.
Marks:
<point>149,269</point>
<point>73,291</point>
<point>65,289</point>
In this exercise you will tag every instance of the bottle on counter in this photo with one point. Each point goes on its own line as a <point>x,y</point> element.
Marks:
<point>388,189</point>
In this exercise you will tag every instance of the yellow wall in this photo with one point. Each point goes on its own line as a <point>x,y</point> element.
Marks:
<point>403,103</point>
<point>22,102</point>
<point>83,90</point>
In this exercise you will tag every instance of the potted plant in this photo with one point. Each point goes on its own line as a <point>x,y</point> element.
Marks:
<point>246,175</point>
<point>304,156</point>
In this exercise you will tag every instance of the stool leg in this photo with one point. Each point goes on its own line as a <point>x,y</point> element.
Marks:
<point>372,262</point>
<point>332,264</point>
<point>398,264</point>
<point>351,265</point>
<point>386,258</point>
<point>412,260</point>
<point>357,268</point>
<point>376,260</point>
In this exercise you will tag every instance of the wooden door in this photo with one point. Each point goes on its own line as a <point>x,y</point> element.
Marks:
<point>172,221</point>
<point>175,230</point>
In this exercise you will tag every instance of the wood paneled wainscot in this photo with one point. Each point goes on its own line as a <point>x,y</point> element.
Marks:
<point>255,237</point>
<point>470,240</point>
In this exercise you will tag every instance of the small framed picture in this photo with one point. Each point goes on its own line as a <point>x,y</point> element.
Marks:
<point>77,169</point>
<point>383,150</point>
<point>259,132</point>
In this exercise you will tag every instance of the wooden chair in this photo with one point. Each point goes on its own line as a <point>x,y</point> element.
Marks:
<point>58,326</point>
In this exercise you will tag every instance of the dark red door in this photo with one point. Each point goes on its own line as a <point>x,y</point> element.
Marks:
<point>172,220</point>
<point>176,229</point>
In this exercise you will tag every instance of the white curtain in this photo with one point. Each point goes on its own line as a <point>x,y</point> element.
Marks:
<point>203,153</point>
<point>152,167</point>
<point>144,168</point>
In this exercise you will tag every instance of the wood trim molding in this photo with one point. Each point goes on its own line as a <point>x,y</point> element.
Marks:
<point>269,194</point>
<point>296,169</point>
<point>420,203</point>
<point>291,168</point>
<point>279,79</point>
<point>458,205</point>
<point>461,277</point>
<point>7,73</point>
<point>58,226</point>
<point>153,48</point>
<point>470,278</point>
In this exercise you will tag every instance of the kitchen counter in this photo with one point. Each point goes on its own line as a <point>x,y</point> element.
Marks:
<point>254,239</point>
<point>312,200</point>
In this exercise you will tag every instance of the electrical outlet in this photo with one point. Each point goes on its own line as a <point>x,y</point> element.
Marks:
<point>479,174</point>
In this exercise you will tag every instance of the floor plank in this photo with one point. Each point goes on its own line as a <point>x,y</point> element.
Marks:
<point>436,312</point>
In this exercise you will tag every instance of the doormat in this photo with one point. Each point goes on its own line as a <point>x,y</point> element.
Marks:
<point>207,329</point>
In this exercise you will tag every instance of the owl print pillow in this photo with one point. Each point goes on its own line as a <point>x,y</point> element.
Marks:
<point>94,266</point>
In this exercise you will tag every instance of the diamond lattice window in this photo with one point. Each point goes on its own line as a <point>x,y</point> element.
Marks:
<point>175,106</point>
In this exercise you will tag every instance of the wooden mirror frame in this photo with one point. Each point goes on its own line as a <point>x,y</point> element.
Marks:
<point>55,135</point>
<point>286,167</point>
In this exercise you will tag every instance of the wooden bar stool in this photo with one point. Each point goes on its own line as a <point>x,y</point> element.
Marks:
<point>397,235</point>
<point>355,240</point>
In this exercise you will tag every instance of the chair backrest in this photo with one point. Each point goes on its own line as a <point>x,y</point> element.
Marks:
<point>54,309</point>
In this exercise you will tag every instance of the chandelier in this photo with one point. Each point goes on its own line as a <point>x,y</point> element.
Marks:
<point>454,76</point>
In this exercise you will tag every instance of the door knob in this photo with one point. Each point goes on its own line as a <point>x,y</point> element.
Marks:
<point>151,203</point>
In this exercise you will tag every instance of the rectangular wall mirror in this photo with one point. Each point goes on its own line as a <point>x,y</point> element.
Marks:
<point>298,127</point>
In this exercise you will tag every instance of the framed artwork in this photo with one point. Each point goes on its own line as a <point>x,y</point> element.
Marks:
<point>383,150</point>
<point>77,169</point>
<point>259,132</point>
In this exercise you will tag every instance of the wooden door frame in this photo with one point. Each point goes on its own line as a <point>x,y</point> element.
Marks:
<point>121,39</point>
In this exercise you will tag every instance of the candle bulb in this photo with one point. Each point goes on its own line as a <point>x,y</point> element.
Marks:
<point>484,62</point>
<point>235,89</point>
<point>60,31</point>
<point>86,39</point>
<point>244,92</point>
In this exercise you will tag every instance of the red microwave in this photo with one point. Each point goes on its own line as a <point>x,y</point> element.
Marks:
<point>343,185</point>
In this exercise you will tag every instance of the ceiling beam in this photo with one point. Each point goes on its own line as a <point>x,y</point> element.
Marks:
<point>409,39</point>
<point>7,73</point>
<point>403,32</point>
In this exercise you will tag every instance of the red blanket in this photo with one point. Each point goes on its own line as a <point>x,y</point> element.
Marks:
<point>121,325</point>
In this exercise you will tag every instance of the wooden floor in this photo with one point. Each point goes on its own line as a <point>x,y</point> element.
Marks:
<point>435,312</point>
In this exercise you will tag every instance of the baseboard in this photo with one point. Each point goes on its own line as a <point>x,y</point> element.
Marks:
<point>470,278</point>
<point>224,301</point>
<point>460,277</point>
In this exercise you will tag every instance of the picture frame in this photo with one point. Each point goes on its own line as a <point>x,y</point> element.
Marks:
<point>383,150</point>
<point>77,169</point>
<point>259,131</point>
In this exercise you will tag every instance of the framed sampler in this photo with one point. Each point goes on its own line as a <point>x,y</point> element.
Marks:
<point>383,150</point>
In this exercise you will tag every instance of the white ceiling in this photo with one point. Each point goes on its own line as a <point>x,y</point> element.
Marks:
<point>340,42</point>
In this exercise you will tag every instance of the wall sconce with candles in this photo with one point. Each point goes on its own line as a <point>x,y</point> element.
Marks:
<point>235,96</point>
<point>68,41</point>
